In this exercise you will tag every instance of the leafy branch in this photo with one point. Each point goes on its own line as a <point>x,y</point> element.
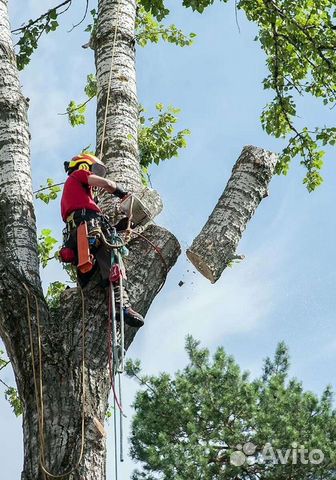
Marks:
<point>10,393</point>
<point>76,112</point>
<point>53,191</point>
<point>148,29</point>
<point>299,39</point>
<point>158,9</point>
<point>31,32</point>
<point>157,138</point>
<point>46,244</point>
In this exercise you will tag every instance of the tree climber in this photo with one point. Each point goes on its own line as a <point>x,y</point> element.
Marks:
<point>78,205</point>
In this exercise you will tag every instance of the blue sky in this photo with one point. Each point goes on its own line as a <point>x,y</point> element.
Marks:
<point>284,289</point>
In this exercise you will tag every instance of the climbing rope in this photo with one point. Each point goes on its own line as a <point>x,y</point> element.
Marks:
<point>38,386</point>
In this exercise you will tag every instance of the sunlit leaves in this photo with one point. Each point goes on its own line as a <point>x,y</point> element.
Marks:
<point>91,28</point>
<point>10,392</point>
<point>157,138</point>
<point>199,5</point>
<point>156,7</point>
<point>31,33</point>
<point>148,29</point>
<point>76,112</point>
<point>49,192</point>
<point>46,244</point>
<point>13,398</point>
<point>299,39</point>
<point>54,292</point>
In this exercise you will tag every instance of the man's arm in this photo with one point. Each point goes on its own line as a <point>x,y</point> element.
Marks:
<point>108,185</point>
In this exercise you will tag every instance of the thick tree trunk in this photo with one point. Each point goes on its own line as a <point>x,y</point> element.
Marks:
<point>61,331</point>
<point>118,129</point>
<point>215,247</point>
<point>120,152</point>
<point>17,219</point>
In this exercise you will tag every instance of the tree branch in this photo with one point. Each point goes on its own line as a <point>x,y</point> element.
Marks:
<point>30,23</point>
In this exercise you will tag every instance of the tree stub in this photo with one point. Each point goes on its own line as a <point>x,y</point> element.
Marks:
<point>215,246</point>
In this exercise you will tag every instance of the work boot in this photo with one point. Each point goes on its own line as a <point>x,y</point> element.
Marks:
<point>131,317</point>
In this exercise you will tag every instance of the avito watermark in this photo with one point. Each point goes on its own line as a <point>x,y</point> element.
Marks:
<point>249,454</point>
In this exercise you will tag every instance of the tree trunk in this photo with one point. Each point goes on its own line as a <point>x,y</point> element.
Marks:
<point>215,247</point>
<point>61,331</point>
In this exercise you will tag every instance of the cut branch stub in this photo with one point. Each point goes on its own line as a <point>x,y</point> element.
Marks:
<point>215,247</point>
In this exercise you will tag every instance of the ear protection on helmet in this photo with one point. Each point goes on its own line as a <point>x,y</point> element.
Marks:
<point>87,162</point>
<point>84,166</point>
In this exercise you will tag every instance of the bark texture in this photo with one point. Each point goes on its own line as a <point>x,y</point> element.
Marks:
<point>17,219</point>
<point>61,329</point>
<point>120,145</point>
<point>215,247</point>
<point>120,152</point>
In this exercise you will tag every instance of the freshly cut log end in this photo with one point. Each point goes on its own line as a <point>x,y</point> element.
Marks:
<point>215,247</point>
<point>200,265</point>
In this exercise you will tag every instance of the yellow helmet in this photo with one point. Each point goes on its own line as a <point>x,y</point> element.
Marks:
<point>86,161</point>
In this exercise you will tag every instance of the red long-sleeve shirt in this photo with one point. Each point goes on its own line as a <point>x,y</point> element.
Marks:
<point>77,194</point>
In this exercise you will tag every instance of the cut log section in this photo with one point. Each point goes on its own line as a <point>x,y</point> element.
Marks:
<point>215,247</point>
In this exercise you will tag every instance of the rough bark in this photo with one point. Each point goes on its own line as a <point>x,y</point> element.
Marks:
<point>120,149</point>
<point>17,219</point>
<point>215,247</point>
<point>61,331</point>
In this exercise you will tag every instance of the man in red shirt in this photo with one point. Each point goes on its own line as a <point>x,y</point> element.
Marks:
<point>78,204</point>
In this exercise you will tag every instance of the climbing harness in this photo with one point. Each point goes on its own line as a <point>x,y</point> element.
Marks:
<point>38,386</point>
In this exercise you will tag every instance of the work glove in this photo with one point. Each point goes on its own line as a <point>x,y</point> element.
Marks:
<point>119,192</point>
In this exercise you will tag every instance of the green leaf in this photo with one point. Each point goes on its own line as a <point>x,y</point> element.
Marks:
<point>54,292</point>
<point>148,29</point>
<point>46,244</point>
<point>13,398</point>
<point>49,193</point>
<point>157,138</point>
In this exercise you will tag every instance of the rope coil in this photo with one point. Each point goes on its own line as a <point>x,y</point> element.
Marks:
<point>38,385</point>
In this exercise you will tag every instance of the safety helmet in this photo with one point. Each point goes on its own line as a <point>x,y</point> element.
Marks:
<point>86,161</point>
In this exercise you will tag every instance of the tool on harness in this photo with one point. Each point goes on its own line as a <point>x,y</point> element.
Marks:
<point>85,258</point>
<point>67,255</point>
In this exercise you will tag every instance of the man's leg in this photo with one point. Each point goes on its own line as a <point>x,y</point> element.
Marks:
<point>132,318</point>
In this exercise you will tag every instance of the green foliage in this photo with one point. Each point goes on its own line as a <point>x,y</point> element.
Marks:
<point>32,31</point>
<point>46,244</point>
<point>157,138</point>
<point>53,191</point>
<point>91,85</point>
<point>156,7</point>
<point>11,395</point>
<point>91,28</point>
<point>148,29</point>
<point>299,41</point>
<point>159,10</point>
<point>199,5</point>
<point>54,292</point>
<point>76,112</point>
<point>3,361</point>
<point>189,425</point>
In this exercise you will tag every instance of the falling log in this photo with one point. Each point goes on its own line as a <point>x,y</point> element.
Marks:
<point>215,247</point>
